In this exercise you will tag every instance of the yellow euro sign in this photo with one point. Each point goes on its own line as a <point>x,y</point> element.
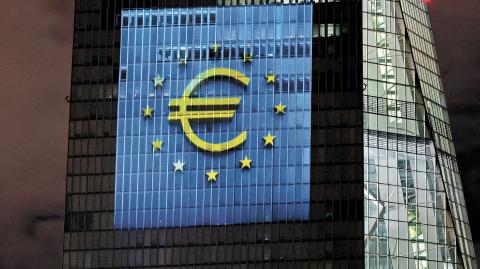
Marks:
<point>185,109</point>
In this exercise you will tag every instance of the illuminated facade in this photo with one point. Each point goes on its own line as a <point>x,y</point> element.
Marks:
<point>216,86</point>
<point>260,134</point>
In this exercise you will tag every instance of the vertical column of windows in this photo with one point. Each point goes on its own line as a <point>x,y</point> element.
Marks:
<point>390,80</point>
<point>418,28</point>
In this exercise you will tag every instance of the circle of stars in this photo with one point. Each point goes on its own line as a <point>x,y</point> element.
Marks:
<point>246,162</point>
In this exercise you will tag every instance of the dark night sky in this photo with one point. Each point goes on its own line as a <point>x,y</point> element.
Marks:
<point>35,55</point>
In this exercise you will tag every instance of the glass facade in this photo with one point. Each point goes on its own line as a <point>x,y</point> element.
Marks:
<point>415,213</point>
<point>256,59</point>
<point>260,134</point>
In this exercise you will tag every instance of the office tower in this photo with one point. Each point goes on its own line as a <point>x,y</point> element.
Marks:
<point>260,134</point>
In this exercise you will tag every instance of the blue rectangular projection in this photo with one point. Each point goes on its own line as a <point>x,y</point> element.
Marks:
<point>214,116</point>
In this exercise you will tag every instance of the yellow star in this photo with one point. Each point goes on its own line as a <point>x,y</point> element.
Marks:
<point>270,78</point>
<point>157,145</point>
<point>212,176</point>
<point>245,163</point>
<point>247,57</point>
<point>280,109</point>
<point>215,48</point>
<point>147,112</point>
<point>158,82</point>
<point>269,140</point>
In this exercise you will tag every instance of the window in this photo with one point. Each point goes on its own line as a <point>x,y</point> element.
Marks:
<point>123,73</point>
<point>212,18</point>
<point>197,53</point>
<point>161,20</point>
<point>159,55</point>
<point>329,30</point>
<point>147,20</point>
<point>167,55</point>
<point>183,19</point>
<point>125,21</point>
<point>198,18</point>
<point>176,18</point>
<point>132,22</point>
<point>182,54</point>
<point>205,18</point>
<point>154,20</point>
<point>226,52</point>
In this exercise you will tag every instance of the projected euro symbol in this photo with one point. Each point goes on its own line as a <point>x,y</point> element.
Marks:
<point>187,109</point>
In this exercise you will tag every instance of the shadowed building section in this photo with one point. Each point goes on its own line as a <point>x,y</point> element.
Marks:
<point>260,134</point>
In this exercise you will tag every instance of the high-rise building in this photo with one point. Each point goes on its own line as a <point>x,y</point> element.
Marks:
<point>260,134</point>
